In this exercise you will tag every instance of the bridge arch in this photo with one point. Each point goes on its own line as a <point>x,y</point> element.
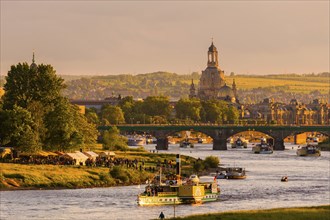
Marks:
<point>220,133</point>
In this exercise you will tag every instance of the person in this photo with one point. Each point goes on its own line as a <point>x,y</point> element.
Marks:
<point>161,216</point>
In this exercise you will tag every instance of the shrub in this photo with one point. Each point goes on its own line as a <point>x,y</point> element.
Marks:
<point>198,166</point>
<point>211,162</point>
<point>119,173</point>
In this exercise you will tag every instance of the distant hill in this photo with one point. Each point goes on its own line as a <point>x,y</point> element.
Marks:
<point>251,88</point>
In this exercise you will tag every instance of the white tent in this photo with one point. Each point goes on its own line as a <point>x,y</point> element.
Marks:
<point>107,154</point>
<point>91,154</point>
<point>77,156</point>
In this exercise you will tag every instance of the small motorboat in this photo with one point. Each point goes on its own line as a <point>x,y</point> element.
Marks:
<point>284,179</point>
<point>239,143</point>
<point>263,147</point>
<point>235,173</point>
<point>309,150</point>
<point>218,175</point>
<point>186,144</point>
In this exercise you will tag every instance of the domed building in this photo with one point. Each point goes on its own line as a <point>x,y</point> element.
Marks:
<point>33,64</point>
<point>212,83</point>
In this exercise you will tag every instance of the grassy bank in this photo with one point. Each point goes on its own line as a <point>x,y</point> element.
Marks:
<point>22,176</point>
<point>304,213</point>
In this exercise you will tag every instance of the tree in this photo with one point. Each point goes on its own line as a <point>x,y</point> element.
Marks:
<point>113,114</point>
<point>87,130</point>
<point>127,105</point>
<point>46,118</point>
<point>212,112</point>
<point>62,134</point>
<point>232,115</point>
<point>18,130</point>
<point>25,85</point>
<point>92,116</point>
<point>217,111</point>
<point>67,128</point>
<point>112,140</point>
<point>157,106</point>
<point>188,108</point>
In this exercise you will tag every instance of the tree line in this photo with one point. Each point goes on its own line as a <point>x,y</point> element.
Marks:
<point>158,110</point>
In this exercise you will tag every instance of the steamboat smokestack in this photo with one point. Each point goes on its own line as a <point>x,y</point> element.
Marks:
<point>178,164</point>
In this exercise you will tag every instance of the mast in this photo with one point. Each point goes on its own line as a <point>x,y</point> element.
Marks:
<point>178,169</point>
<point>160,175</point>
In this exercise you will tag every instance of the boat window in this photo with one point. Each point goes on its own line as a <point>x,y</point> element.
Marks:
<point>165,200</point>
<point>160,200</point>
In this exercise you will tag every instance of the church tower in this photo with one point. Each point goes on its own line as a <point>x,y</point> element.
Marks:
<point>33,64</point>
<point>234,88</point>
<point>192,93</point>
<point>213,78</point>
<point>212,56</point>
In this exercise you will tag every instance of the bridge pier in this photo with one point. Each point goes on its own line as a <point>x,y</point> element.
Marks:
<point>220,144</point>
<point>279,144</point>
<point>162,143</point>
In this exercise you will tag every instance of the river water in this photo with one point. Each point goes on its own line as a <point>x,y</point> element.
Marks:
<point>308,185</point>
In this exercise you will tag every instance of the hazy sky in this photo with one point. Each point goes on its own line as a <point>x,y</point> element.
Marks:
<point>115,37</point>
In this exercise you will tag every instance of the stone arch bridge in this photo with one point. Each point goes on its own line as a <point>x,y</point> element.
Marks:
<point>220,134</point>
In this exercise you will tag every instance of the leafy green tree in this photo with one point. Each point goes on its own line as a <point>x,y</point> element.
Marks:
<point>233,115</point>
<point>127,105</point>
<point>157,106</point>
<point>188,108</point>
<point>67,128</point>
<point>92,116</point>
<point>62,134</point>
<point>113,114</point>
<point>25,84</point>
<point>212,112</point>
<point>38,114</point>
<point>112,140</point>
<point>87,130</point>
<point>18,130</point>
<point>34,94</point>
<point>217,111</point>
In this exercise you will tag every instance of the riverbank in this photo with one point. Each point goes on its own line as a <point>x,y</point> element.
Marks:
<point>301,213</point>
<point>28,176</point>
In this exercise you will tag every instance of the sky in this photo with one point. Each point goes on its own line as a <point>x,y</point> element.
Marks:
<point>133,37</point>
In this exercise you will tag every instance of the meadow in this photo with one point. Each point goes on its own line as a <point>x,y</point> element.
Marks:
<point>30,176</point>
<point>303,213</point>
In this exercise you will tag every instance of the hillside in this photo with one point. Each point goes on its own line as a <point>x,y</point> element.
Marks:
<point>251,88</point>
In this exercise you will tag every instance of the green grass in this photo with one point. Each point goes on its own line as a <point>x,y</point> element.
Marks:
<point>304,213</point>
<point>18,176</point>
<point>21,176</point>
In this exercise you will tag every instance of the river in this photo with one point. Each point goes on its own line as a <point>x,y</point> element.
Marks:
<point>308,185</point>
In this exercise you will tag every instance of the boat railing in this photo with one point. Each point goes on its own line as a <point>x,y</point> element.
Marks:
<point>167,193</point>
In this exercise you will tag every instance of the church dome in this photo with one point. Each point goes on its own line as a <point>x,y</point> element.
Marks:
<point>33,64</point>
<point>225,91</point>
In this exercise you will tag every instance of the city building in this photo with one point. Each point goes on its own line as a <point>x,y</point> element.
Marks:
<point>293,113</point>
